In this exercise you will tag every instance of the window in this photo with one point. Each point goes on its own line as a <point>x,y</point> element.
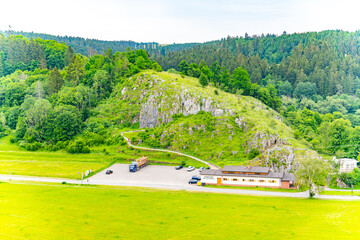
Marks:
<point>251,180</point>
<point>272,181</point>
<point>234,179</point>
<point>261,180</point>
<point>225,179</point>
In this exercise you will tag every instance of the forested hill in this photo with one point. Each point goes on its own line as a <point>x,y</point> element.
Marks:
<point>328,61</point>
<point>90,47</point>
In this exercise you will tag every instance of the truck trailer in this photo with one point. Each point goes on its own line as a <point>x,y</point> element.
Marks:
<point>138,163</point>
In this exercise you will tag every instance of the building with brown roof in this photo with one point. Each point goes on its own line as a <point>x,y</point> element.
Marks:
<point>247,176</point>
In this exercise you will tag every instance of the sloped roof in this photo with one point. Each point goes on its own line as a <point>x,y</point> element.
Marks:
<point>211,172</point>
<point>246,169</point>
<point>288,177</point>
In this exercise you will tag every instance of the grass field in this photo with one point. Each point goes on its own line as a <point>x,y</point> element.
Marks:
<point>348,193</point>
<point>98,212</point>
<point>17,161</point>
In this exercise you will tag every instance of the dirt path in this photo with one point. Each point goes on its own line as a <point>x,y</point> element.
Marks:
<point>212,166</point>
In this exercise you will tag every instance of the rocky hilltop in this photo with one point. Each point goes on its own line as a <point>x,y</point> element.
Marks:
<point>214,125</point>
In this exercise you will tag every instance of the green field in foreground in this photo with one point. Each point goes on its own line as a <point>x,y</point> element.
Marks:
<point>348,193</point>
<point>14,160</point>
<point>50,211</point>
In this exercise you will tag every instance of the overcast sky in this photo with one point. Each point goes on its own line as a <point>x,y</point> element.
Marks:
<point>169,21</point>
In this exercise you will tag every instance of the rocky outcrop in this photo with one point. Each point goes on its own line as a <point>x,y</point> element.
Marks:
<point>263,141</point>
<point>280,158</point>
<point>185,103</point>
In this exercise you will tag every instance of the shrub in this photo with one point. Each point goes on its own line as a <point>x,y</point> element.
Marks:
<point>32,146</point>
<point>254,152</point>
<point>171,70</point>
<point>78,146</point>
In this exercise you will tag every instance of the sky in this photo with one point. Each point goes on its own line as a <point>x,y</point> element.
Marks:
<point>170,21</point>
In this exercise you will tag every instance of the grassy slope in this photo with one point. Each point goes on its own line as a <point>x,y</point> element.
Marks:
<point>73,212</point>
<point>204,144</point>
<point>14,160</point>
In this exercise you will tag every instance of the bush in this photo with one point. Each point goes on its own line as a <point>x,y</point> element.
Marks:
<point>254,152</point>
<point>32,146</point>
<point>171,70</point>
<point>78,146</point>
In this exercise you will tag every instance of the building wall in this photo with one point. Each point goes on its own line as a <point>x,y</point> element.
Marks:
<point>243,181</point>
<point>207,179</point>
<point>347,166</point>
<point>285,184</point>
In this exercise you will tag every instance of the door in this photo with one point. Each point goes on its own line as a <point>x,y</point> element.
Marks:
<point>219,181</point>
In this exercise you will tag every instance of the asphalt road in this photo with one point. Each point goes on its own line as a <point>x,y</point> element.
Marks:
<point>150,177</point>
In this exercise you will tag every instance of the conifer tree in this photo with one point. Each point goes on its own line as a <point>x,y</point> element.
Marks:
<point>203,80</point>
<point>56,81</point>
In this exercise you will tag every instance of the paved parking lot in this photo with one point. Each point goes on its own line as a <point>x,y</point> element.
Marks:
<point>152,174</point>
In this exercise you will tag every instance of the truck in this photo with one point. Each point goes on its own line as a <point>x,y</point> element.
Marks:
<point>138,164</point>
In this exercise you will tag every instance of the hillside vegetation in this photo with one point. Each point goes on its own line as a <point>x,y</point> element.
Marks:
<point>182,115</point>
<point>53,99</point>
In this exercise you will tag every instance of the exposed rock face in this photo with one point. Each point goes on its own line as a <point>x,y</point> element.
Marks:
<point>190,131</point>
<point>276,152</point>
<point>218,112</point>
<point>241,123</point>
<point>149,113</point>
<point>262,141</point>
<point>123,91</point>
<point>280,158</point>
<point>340,183</point>
<point>181,103</point>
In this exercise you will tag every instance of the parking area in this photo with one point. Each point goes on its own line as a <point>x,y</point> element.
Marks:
<point>152,174</point>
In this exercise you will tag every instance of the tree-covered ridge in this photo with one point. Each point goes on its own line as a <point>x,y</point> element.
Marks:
<point>328,60</point>
<point>48,106</point>
<point>19,53</point>
<point>89,47</point>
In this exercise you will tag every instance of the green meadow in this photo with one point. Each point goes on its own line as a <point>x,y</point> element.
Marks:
<point>56,211</point>
<point>343,193</point>
<point>17,161</point>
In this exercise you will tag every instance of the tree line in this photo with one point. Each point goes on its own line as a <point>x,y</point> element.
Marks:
<point>47,107</point>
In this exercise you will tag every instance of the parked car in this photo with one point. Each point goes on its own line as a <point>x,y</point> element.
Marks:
<point>193,181</point>
<point>190,168</point>
<point>179,167</point>
<point>201,168</point>
<point>196,177</point>
<point>108,172</point>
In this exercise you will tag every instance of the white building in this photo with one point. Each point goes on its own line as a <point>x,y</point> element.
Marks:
<point>247,176</point>
<point>347,164</point>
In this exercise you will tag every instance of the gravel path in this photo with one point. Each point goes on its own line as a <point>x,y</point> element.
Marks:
<point>212,166</point>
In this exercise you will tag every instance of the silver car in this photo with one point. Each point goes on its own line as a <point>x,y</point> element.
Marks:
<point>190,168</point>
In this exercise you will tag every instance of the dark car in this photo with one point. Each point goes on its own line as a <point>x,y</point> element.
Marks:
<point>108,172</point>
<point>196,178</point>
<point>179,167</point>
<point>193,181</point>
